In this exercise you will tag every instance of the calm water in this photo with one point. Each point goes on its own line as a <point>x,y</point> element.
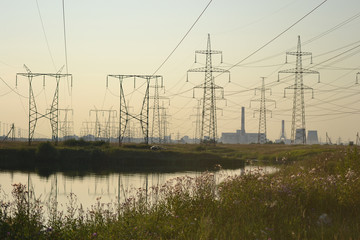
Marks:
<point>89,188</point>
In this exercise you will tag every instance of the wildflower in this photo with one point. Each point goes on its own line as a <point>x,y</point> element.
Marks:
<point>94,234</point>
<point>217,167</point>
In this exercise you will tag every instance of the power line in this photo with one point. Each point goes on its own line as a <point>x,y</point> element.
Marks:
<point>177,46</point>
<point>352,18</point>
<point>46,39</point>
<point>277,36</point>
<point>183,38</point>
<point>12,89</point>
<point>65,46</point>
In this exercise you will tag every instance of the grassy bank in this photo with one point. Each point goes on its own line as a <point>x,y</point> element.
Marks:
<point>80,157</point>
<point>314,198</point>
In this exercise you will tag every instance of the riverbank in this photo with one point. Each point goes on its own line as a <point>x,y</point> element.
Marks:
<point>317,197</point>
<point>80,157</point>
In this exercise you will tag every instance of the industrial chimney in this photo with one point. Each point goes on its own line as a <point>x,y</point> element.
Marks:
<point>282,137</point>
<point>242,120</point>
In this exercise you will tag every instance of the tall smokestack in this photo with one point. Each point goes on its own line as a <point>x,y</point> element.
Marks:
<point>243,120</point>
<point>282,137</point>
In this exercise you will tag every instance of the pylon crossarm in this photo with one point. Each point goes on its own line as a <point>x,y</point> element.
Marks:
<point>287,88</point>
<point>299,53</point>
<point>201,69</point>
<point>200,86</point>
<point>217,87</point>
<point>255,100</point>
<point>208,52</point>
<point>292,70</point>
<point>308,71</point>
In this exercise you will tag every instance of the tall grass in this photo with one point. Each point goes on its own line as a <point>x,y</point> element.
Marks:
<point>317,198</point>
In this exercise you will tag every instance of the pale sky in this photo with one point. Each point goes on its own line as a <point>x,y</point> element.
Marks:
<point>135,37</point>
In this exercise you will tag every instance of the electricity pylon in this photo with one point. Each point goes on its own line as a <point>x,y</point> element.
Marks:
<point>124,115</point>
<point>12,132</point>
<point>164,123</point>
<point>103,128</point>
<point>197,121</point>
<point>208,129</point>
<point>34,114</point>
<point>87,128</point>
<point>298,112</point>
<point>157,133</point>
<point>262,111</point>
<point>66,125</point>
<point>357,139</point>
<point>328,139</point>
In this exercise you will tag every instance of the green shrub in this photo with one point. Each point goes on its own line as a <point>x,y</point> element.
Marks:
<point>46,151</point>
<point>136,146</point>
<point>76,143</point>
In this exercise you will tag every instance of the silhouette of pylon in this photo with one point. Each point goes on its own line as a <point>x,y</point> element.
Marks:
<point>208,128</point>
<point>262,111</point>
<point>298,128</point>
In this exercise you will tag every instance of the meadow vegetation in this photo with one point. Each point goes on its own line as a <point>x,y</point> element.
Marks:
<point>316,197</point>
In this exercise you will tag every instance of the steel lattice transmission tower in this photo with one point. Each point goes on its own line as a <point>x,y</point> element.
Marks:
<point>103,127</point>
<point>157,130</point>
<point>208,129</point>
<point>197,121</point>
<point>328,139</point>
<point>53,113</point>
<point>262,111</point>
<point>125,116</point>
<point>298,129</point>
<point>164,124</point>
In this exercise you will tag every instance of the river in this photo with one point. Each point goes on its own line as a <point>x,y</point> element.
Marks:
<point>89,189</point>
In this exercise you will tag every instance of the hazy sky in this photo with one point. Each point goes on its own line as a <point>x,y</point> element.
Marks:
<point>135,37</point>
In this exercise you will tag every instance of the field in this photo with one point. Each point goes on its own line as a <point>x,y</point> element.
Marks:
<point>315,195</point>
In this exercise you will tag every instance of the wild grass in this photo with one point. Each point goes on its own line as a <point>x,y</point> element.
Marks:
<point>316,198</point>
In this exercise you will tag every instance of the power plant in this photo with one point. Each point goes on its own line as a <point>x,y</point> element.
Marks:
<point>240,136</point>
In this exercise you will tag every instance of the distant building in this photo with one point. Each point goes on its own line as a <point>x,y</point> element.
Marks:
<point>240,136</point>
<point>300,136</point>
<point>312,137</point>
<point>283,138</point>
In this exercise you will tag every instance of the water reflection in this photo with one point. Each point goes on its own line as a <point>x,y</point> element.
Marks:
<point>111,188</point>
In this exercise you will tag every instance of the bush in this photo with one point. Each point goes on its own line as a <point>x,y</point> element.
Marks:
<point>137,146</point>
<point>76,143</point>
<point>46,151</point>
